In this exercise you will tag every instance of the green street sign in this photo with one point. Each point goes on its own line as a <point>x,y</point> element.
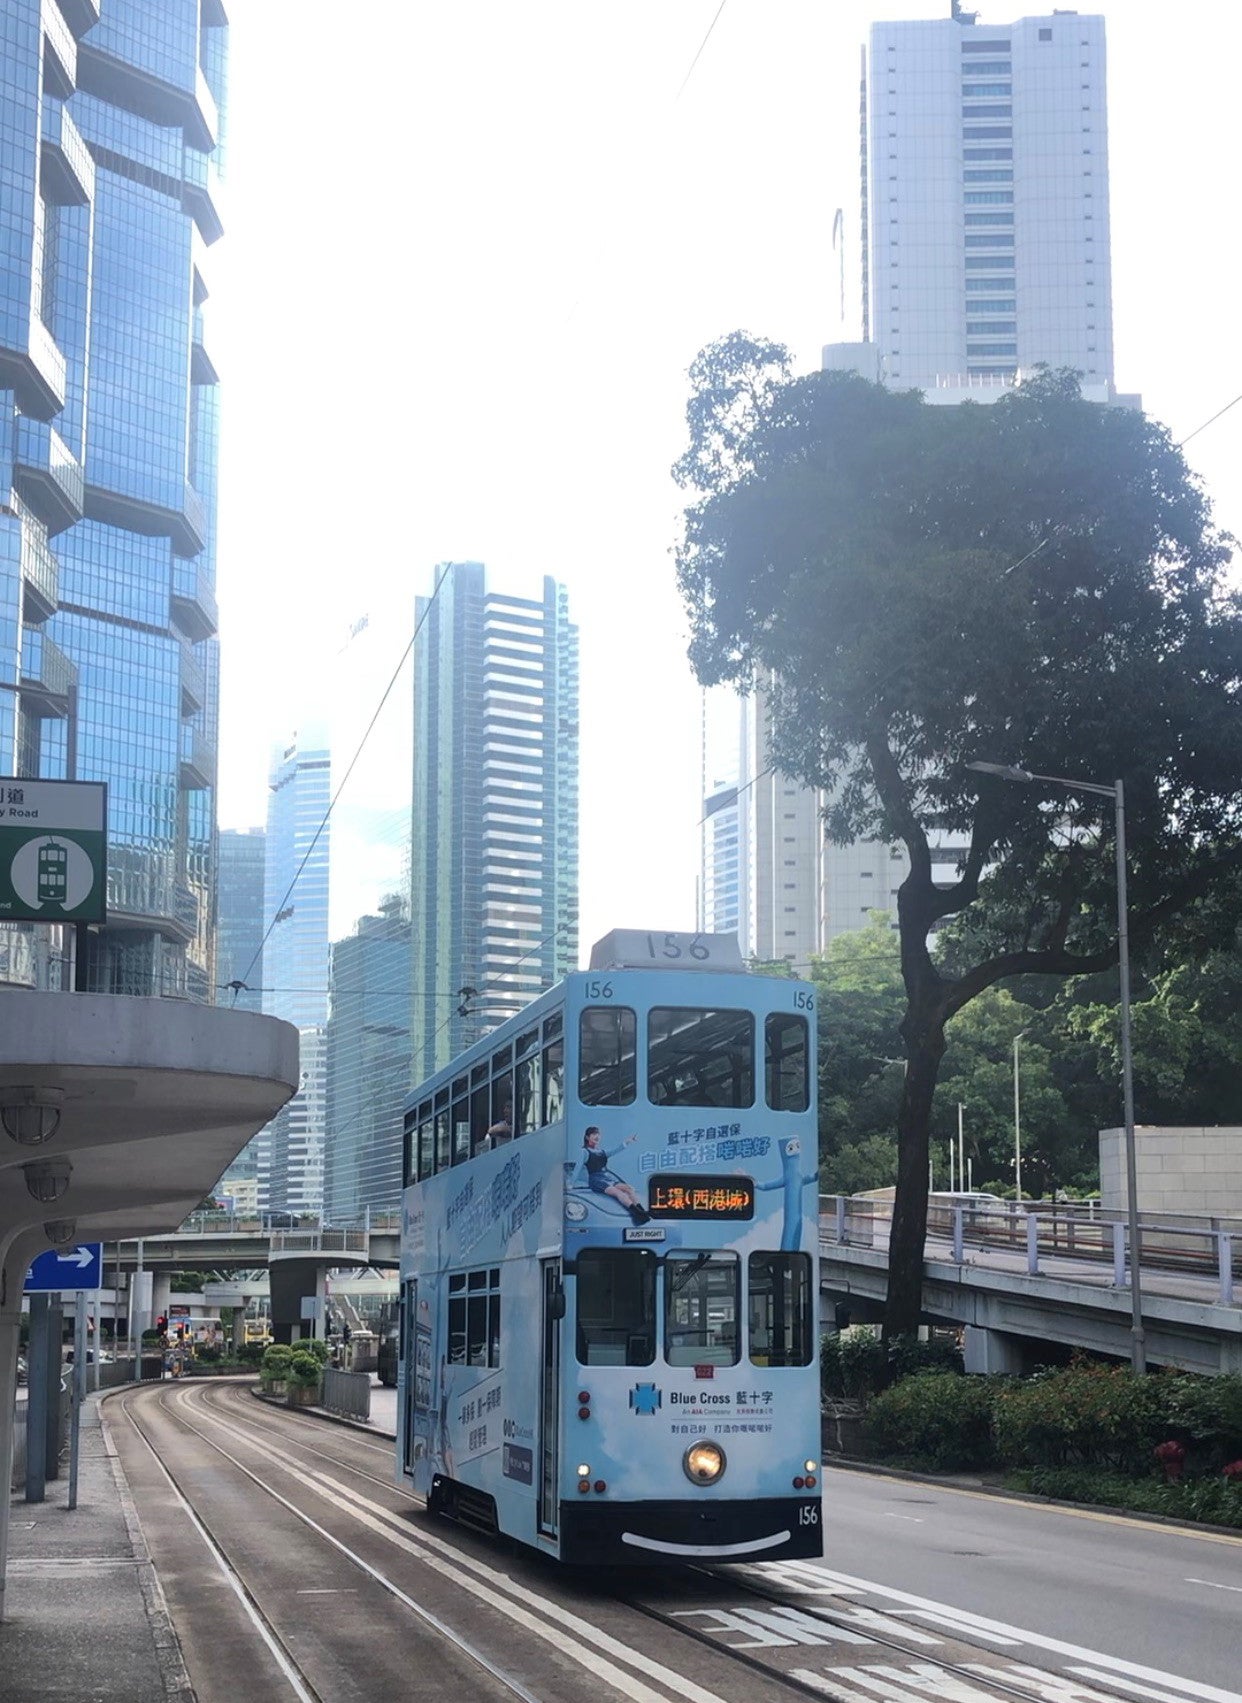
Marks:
<point>53,850</point>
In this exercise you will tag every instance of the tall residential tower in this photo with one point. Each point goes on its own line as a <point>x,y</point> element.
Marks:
<point>112,130</point>
<point>494,839</point>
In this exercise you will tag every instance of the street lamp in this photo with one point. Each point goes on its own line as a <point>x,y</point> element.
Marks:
<point>1006,772</point>
<point>1017,1126</point>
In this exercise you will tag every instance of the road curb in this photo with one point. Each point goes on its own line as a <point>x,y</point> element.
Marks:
<point>978,1487</point>
<point>365,1427</point>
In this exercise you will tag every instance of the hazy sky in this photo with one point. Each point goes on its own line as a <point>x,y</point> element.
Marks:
<point>472,247</point>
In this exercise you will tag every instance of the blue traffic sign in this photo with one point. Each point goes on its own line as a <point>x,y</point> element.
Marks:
<point>76,1268</point>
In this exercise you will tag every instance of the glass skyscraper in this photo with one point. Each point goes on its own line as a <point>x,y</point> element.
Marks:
<point>240,917</point>
<point>368,1064</point>
<point>295,962</point>
<point>494,840</point>
<point>110,145</point>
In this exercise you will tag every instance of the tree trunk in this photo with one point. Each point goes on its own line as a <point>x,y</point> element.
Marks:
<point>924,1050</point>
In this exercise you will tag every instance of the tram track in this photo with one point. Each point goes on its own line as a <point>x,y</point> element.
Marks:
<point>300,1683</point>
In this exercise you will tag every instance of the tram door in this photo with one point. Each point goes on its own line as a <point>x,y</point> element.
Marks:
<point>550,1397</point>
<point>415,1393</point>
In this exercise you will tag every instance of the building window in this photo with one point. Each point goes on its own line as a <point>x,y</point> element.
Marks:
<point>975,89</point>
<point>993,46</point>
<point>988,198</point>
<point>1045,35</point>
<point>989,133</point>
<point>989,218</point>
<point>991,111</point>
<point>987,176</point>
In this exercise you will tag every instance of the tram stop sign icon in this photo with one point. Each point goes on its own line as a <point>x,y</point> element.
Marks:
<point>53,850</point>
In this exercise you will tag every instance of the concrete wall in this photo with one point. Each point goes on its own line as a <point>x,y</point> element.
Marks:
<point>1178,1169</point>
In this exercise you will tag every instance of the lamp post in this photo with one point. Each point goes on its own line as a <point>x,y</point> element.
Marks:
<point>1006,772</point>
<point>1017,1123</point>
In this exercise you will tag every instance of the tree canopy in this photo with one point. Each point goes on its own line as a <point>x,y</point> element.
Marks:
<point>1036,583</point>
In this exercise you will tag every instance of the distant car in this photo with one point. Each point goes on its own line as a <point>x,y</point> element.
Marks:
<point>21,1368</point>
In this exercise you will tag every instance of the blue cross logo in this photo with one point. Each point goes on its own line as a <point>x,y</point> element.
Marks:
<point>645,1398</point>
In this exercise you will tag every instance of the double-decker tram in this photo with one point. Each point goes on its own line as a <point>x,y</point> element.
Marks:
<point>609,1325</point>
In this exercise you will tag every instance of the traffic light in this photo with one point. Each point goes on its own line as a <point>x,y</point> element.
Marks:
<point>161,1324</point>
<point>180,1333</point>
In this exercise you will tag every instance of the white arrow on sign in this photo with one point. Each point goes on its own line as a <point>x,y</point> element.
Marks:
<point>81,1257</point>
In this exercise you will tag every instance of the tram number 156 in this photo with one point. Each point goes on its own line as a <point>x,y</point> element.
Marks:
<point>808,1514</point>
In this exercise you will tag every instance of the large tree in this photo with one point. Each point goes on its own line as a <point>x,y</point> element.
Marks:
<point>1036,583</point>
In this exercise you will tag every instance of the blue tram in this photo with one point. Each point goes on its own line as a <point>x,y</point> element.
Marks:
<point>609,1335</point>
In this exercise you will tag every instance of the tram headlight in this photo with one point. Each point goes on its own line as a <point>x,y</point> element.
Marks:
<point>703,1463</point>
<point>810,1466</point>
<point>584,1471</point>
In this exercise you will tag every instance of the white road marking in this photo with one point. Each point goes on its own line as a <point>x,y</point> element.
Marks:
<point>914,1519</point>
<point>1127,1685</point>
<point>768,1628</point>
<point>1052,1686</point>
<point>1115,1666</point>
<point>1212,1583</point>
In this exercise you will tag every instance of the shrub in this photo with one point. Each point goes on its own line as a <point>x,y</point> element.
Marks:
<point>1206,1414</point>
<point>910,1354</point>
<point>851,1364</point>
<point>304,1369</point>
<point>319,1349</point>
<point>934,1419</point>
<point>275,1363</point>
<point>208,1353</point>
<point>250,1354</point>
<point>1082,1415</point>
<point>1214,1500</point>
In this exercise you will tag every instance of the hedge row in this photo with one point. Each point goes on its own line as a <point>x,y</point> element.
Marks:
<point>1173,1432</point>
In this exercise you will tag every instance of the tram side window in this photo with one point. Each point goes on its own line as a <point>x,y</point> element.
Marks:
<point>480,1113</point>
<point>780,1309</point>
<point>529,1086</point>
<point>444,1145</point>
<point>700,1057</point>
<point>553,1070</point>
<point>409,1149</point>
<point>786,1062</point>
<point>461,1120</point>
<point>426,1147</point>
<point>474,1318</point>
<point>607,1056</point>
<point>701,1309</point>
<point>616,1306</point>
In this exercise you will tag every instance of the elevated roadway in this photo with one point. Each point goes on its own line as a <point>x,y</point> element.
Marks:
<point>1015,1280</point>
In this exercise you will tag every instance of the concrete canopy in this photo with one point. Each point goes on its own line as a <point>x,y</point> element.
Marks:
<point>156,1097</point>
<point>132,1108</point>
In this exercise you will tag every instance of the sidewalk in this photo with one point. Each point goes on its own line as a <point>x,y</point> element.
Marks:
<point>85,1615</point>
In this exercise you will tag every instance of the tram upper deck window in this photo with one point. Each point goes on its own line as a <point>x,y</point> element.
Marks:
<point>786,1062</point>
<point>780,1309</point>
<point>529,1082</point>
<point>461,1119</point>
<point>444,1144</point>
<point>616,1306</point>
<point>554,1069</point>
<point>607,1056</point>
<point>702,1309</point>
<point>700,1057</point>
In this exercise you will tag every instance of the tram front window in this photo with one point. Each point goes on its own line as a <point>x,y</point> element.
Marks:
<point>781,1303</point>
<point>616,1307</point>
<point>700,1058</point>
<point>701,1309</point>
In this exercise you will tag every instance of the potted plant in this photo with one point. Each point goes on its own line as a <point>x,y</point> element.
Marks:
<point>302,1382</point>
<point>274,1368</point>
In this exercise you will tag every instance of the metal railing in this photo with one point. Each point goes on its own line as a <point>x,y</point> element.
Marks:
<point>348,1393</point>
<point>1190,1244</point>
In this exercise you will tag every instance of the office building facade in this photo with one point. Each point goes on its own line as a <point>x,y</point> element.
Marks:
<point>985,202</point>
<point>295,962</point>
<point>367,1065</point>
<point>109,160</point>
<point>494,821</point>
<point>240,917</point>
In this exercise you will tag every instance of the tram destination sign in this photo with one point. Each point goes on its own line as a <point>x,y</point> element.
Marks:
<point>53,850</point>
<point>701,1197</point>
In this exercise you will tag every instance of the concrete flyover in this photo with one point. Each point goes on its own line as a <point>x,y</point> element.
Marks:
<point>1012,1298</point>
<point>117,1115</point>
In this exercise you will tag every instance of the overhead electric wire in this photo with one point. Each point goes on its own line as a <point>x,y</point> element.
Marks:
<point>699,52</point>
<point>1203,428</point>
<point>353,762</point>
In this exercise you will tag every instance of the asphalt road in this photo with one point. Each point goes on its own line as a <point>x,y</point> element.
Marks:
<point>1157,1596</point>
<point>305,1572</point>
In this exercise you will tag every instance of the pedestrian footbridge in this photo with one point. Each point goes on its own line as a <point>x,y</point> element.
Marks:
<point>1016,1275</point>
